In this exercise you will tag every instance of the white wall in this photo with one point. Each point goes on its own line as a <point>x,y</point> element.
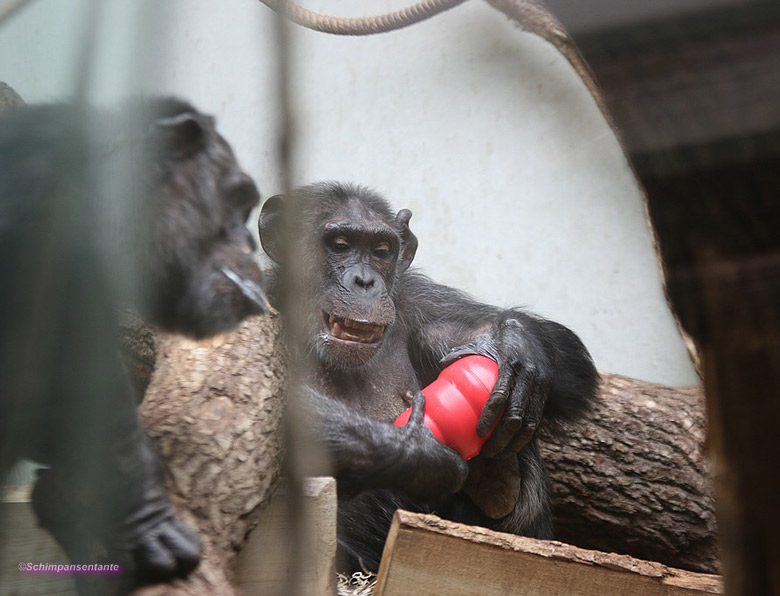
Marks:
<point>520,194</point>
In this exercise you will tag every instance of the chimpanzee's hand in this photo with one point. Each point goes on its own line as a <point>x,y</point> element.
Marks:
<point>524,382</point>
<point>125,519</point>
<point>162,547</point>
<point>434,470</point>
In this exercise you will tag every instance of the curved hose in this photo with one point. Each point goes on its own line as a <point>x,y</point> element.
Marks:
<point>390,21</point>
<point>530,15</point>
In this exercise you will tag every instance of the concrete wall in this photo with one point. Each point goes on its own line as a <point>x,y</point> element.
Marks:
<point>520,193</point>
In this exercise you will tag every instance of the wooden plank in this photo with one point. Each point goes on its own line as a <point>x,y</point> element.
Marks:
<point>263,567</point>
<point>425,555</point>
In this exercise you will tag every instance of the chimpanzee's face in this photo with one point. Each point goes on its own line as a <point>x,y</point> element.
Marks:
<point>201,270</point>
<point>354,306</point>
<point>350,248</point>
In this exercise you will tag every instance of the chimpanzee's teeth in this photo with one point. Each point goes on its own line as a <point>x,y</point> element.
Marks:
<point>351,330</point>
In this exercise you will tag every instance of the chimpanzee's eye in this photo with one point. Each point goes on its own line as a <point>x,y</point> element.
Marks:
<point>339,244</point>
<point>382,250</point>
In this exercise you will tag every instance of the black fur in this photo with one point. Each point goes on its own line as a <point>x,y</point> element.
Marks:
<point>143,207</point>
<point>355,266</point>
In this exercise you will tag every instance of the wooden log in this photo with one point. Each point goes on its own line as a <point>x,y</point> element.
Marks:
<point>214,412</point>
<point>427,555</point>
<point>633,477</point>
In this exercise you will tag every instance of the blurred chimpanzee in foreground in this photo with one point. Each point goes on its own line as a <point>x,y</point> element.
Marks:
<point>146,206</point>
<point>377,331</point>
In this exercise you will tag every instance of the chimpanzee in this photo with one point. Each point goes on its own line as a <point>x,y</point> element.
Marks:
<point>377,331</point>
<point>146,207</point>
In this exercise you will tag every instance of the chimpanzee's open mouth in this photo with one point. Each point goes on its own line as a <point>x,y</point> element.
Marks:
<point>351,330</point>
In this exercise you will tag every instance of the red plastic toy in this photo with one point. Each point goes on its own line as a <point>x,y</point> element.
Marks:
<point>454,402</point>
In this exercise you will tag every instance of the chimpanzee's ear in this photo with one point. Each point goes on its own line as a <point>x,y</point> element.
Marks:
<point>408,240</point>
<point>182,135</point>
<point>270,226</point>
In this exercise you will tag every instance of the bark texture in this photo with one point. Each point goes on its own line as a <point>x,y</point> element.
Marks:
<point>214,412</point>
<point>633,477</point>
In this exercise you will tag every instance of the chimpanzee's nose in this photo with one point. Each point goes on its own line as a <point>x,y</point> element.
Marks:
<point>364,277</point>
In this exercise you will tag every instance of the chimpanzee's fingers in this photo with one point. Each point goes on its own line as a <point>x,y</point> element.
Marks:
<point>418,409</point>
<point>154,561</point>
<point>535,400</point>
<point>462,472</point>
<point>457,354</point>
<point>483,345</point>
<point>497,401</point>
<point>408,398</point>
<point>523,396</point>
<point>492,410</point>
<point>521,440</point>
<point>515,418</point>
<point>184,544</point>
<point>501,437</point>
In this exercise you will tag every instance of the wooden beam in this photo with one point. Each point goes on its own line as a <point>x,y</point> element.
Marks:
<point>425,555</point>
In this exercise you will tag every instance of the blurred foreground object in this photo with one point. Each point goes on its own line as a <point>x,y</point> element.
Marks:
<point>95,205</point>
<point>695,98</point>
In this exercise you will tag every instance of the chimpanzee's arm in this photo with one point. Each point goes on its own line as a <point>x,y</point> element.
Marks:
<point>366,453</point>
<point>104,494</point>
<point>545,373</point>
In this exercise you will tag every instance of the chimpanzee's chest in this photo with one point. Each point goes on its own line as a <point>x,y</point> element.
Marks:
<point>376,389</point>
